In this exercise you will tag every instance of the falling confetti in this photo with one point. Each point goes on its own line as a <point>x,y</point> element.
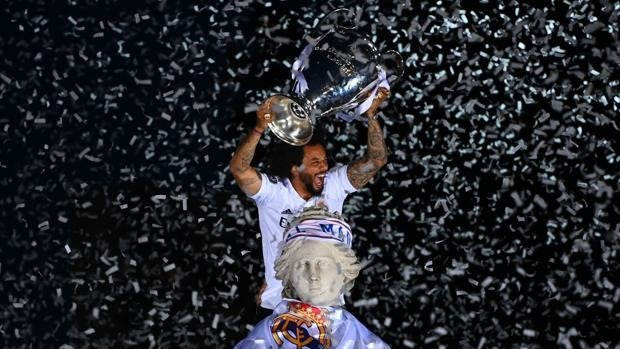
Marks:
<point>494,224</point>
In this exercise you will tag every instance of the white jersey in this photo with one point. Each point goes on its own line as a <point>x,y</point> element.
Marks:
<point>278,203</point>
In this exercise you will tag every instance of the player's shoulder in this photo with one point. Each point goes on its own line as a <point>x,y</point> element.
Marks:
<point>273,183</point>
<point>336,171</point>
<point>273,179</point>
<point>336,168</point>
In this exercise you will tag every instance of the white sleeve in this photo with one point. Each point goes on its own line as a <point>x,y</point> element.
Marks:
<point>266,191</point>
<point>342,180</point>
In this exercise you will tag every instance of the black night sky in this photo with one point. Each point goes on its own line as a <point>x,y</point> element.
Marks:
<point>495,224</point>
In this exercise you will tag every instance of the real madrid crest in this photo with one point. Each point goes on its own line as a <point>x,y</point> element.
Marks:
<point>303,326</point>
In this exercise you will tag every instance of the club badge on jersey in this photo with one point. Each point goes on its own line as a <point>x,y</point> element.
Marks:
<point>303,326</point>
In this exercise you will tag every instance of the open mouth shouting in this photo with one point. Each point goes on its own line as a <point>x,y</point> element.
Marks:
<point>319,179</point>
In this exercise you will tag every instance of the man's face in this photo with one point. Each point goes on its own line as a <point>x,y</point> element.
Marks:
<point>313,168</point>
<point>316,274</point>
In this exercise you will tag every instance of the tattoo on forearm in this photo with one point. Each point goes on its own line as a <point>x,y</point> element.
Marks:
<point>362,170</point>
<point>246,176</point>
<point>377,149</point>
<point>246,160</point>
<point>244,154</point>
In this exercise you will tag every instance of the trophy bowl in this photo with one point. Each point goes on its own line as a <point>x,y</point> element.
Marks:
<point>335,73</point>
<point>291,122</point>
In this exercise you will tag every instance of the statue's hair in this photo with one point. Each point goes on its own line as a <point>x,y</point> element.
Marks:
<point>345,258</point>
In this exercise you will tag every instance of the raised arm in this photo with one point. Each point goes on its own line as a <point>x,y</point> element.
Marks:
<point>246,176</point>
<point>360,171</point>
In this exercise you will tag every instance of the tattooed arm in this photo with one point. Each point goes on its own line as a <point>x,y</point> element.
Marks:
<point>360,171</point>
<point>246,176</point>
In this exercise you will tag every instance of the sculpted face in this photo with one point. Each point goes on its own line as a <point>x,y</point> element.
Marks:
<point>313,168</point>
<point>315,274</point>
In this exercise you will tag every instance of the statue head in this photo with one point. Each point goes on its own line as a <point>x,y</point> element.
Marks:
<point>317,264</point>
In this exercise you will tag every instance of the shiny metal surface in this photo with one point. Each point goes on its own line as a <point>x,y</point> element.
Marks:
<point>342,69</point>
<point>290,122</point>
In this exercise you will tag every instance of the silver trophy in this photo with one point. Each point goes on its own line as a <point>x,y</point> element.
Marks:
<point>335,73</point>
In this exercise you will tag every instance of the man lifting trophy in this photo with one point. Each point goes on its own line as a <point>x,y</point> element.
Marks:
<point>300,175</point>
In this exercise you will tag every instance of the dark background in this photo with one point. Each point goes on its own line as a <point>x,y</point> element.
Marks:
<point>495,223</point>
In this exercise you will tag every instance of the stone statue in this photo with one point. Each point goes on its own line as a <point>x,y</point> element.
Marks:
<point>316,266</point>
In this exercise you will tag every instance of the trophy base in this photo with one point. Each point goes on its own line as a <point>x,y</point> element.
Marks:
<point>291,123</point>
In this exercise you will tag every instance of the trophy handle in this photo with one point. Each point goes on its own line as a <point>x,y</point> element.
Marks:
<point>396,68</point>
<point>335,14</point>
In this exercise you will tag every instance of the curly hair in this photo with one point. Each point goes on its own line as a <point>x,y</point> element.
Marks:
<point>283,156</point>
<point>346,259</point>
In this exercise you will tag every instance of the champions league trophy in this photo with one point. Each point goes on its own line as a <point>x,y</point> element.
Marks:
<point>340,70</point>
